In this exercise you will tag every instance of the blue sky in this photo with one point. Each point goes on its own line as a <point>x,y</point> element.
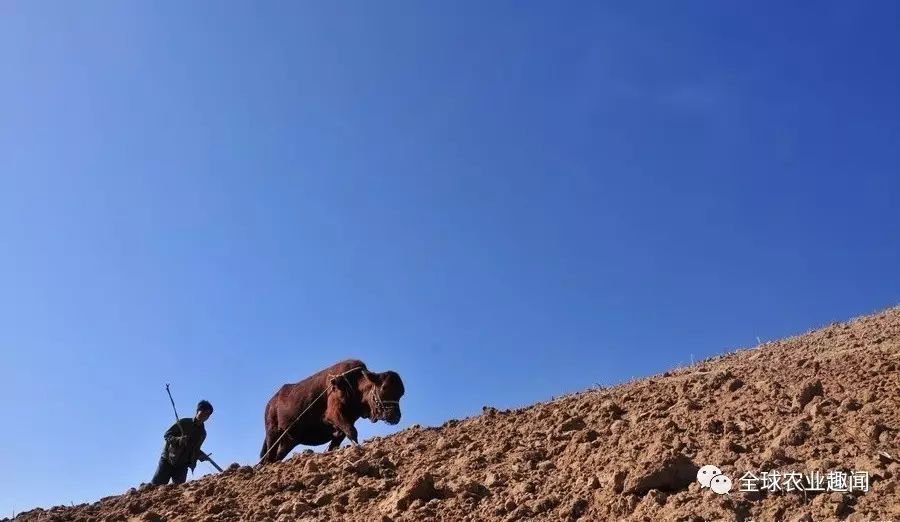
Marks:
<point>502,201</point>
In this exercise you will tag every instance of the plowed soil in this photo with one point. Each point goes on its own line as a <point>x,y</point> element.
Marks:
<point>827,401</point>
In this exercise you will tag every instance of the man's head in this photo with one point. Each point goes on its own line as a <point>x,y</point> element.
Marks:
<point>204,410</point>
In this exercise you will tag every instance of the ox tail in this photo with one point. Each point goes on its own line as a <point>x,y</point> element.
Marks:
<point>265,444</point>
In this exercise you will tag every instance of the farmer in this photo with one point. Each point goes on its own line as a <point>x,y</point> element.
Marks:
<point>182,449</point>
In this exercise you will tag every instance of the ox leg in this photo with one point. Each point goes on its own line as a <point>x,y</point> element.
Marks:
<point>351,433</point>
<point>284,447</point>
<point>336,440</point>
<point>269,449</point>
<point>282,451</point>
<point>337,404</point>
<point>344,426</point>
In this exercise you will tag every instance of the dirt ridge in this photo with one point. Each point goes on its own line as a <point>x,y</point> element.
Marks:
<point>827,400</point>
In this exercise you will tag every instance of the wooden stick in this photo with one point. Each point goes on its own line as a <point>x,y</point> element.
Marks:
<point>175,410</point>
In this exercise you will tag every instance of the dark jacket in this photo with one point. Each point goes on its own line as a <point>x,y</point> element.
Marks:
<point>181,452</point>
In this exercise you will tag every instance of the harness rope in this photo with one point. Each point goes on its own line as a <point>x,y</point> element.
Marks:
<point>379,403</point>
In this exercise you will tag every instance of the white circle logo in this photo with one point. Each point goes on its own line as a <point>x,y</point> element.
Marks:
<point>721,484</point>
<point>706,474</point>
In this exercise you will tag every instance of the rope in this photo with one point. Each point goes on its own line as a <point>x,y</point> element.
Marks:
<point>286,430</point>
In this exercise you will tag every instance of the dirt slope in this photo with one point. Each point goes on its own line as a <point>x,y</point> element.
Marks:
<point>828,400</point>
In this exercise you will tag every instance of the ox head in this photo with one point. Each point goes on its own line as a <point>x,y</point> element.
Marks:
<point>383,396</point>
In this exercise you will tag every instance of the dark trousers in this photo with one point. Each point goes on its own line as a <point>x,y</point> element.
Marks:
<point>166,471</point>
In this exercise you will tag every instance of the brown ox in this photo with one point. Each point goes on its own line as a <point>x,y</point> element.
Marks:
<point>323,408</point>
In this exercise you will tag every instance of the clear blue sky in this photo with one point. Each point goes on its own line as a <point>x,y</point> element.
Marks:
<point>503,202</point>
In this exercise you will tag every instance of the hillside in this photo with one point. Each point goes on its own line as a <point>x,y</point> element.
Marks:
<point>828,400</point>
